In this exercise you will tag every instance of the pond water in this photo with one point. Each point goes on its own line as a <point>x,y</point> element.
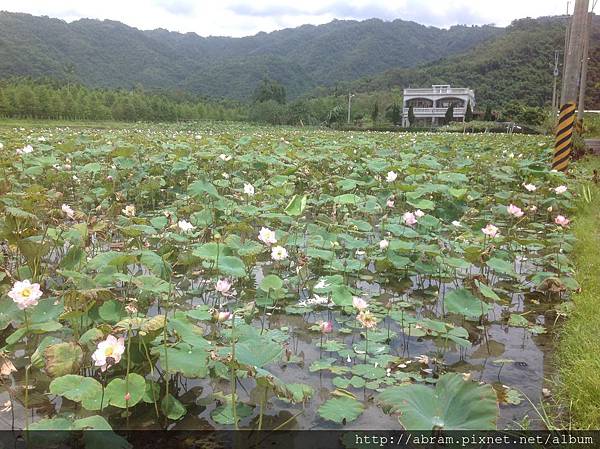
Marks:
<point>402,222</point>
<point>528,363</point>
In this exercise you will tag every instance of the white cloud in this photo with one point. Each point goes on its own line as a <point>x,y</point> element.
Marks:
<point>241,18</point>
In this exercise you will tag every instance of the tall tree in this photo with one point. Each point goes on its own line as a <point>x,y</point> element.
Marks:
<point>449,114</point>
<point>411,115</point>
<point>375,112</point>
<point>394,113</point>
<point>468,112</point>
<point>269,90</point>
<point>488,114</point>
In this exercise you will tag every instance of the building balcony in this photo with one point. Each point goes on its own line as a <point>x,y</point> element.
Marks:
<point>437,91</point>
<point>434,112</point>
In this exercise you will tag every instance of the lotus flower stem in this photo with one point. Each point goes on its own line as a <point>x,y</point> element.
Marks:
<point>103,387</point>
<point>233,374</point>
<point>27,399</point>
<point>127,375</point>
<point>152,373</point>
<point>263,401</point>
<point>166,367</point>
<point>26,374</point>
<point>366,343</point>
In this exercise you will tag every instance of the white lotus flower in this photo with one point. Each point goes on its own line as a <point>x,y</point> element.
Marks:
<point>68,211</point>
<point>359,303</point>
<point>560,189</point>
<point>419,213</point>
<point>25,294</point>
<point>267,236</point>
<point>224,157</point>
<point>530,187</point>
<point>185,226</point>
<point>108,352</point>
<point>25,150</point>
<point>456,223</point>
<point>279,253</point>
<point>248,189</point>
<point>390,203</point>
<point>391,176</point>
<point>321,284</point>
<point>383,244</point>
<point>129,210</point>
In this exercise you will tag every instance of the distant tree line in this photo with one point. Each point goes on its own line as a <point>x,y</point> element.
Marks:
<point>49,99</point>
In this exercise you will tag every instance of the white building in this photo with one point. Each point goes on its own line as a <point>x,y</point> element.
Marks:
<point>430,105</point>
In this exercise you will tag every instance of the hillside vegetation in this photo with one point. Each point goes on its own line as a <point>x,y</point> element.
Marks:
<point>373,58</point>
<point>112,54</point>
<point>516,65</point>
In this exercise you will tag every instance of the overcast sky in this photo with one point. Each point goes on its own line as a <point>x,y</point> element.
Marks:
<point>242,18</point>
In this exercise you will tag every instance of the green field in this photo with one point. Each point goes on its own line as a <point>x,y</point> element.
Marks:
<point>233,276</point>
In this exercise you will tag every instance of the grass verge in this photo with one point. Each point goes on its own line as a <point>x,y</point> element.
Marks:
<point>578,353</point>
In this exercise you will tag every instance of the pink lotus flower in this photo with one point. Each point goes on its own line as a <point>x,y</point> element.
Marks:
<point>409,219</point>
<point>326,327</point>
<point>562,221</point>
<point>223,286</point>
<point>25,294</point>
<point>127,397</point>
<point>390,203</point>
<point>220,316</point>
<point>514,211</point>
<point>109,352</point>
<point>490,230</point>
<point>68,211</point>
<point>419,213</point>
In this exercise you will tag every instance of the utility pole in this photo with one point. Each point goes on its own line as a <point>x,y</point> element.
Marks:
<point>350,95</point>
<point>574,52</point>
<point>567,35</point>
<point>584,64</point>
<point>572,66</point>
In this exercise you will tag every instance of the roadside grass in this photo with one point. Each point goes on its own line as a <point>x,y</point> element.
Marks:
<point>592,125</point>
<point>578,355</point>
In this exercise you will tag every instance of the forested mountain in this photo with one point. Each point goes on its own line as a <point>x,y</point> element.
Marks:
<point>501,64</point>
<point>111,54</point>
<point>515,66</point>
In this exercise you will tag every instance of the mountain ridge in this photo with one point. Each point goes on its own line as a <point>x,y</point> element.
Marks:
<point>111,54</point>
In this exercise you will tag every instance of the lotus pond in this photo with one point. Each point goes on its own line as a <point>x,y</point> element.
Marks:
<point>228,276</point>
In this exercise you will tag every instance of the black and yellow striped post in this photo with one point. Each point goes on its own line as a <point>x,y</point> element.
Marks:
<point>564,136</point>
